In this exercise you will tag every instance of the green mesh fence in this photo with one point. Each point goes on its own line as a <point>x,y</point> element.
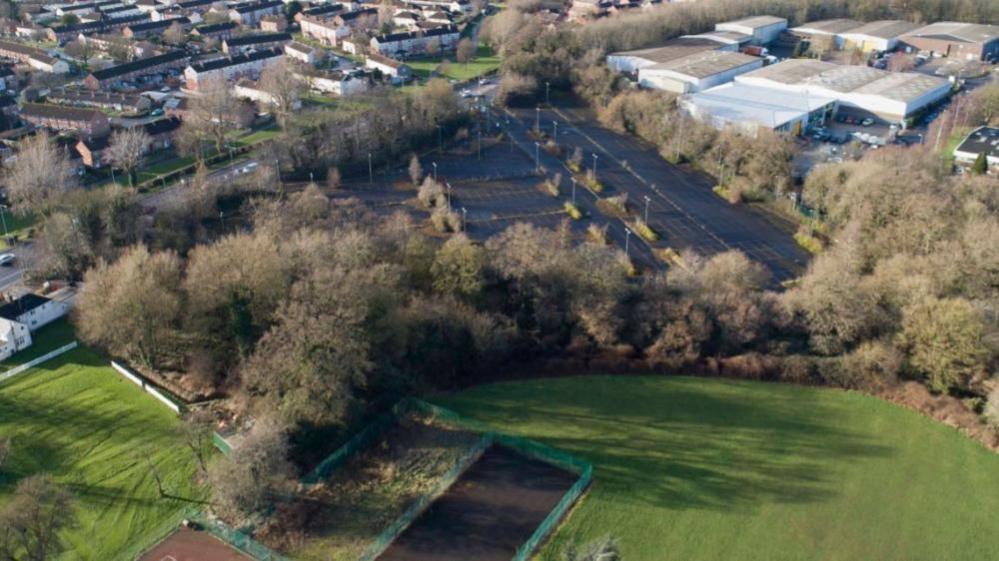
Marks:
<point>157,534</point>
<point>237,539</point>
<point>394,530</point>
<point>361,440</point>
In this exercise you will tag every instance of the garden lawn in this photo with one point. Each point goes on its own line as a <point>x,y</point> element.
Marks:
<point>76,419</point>
<point>49,338</point>
<point>696,469</point>
<point>485,61</point>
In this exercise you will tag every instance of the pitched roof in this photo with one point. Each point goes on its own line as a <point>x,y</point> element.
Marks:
<point>216,27</point>
<point>958,31</point>
<point>433,32</point>
<point>137,65</point>
<point>250,7</point>
<point>256,39</point>
<point>162,126</point>
<point>154,25</point>
<point>26,303</point>
<point>224,62</point>
<point>46,111</point>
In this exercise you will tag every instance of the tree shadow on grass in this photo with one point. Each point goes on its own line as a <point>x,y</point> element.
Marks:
<point>688,443</point>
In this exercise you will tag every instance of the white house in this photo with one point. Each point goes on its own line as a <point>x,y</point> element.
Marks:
<point>23,316</point>
<point>231,68</point>
<point>303,53</point>
<point>410,43</point>
<point>248,89</point>
<point>339,83</point>
<point>983,140</point>
<point>762,29</point>
<point>387,66</point>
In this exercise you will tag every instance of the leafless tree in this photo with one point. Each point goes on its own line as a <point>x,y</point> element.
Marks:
<point>175,35</point>
<point>285,88</point>
<point>39,174</point>
<point>465,51</point>
<point>127,148</point>
<point>212,115</point>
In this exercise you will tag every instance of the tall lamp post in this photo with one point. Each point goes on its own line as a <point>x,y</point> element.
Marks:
<point>555,134</point>
<point>435,170</point>
<point>594,165</point>
<point>537,156</point>
<point>647,200</point>
<point>627,242</point>
<point>573,189</point>
<point>537,118</point>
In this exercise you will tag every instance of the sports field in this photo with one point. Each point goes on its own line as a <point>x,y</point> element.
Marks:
<point>697,469</point>
<point>76,419</point>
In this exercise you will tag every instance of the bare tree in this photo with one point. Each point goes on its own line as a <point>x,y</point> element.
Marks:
<point>285,88</point>
<point>39,174</point>
<point>81,49</point>
<point>196,430</point>
<point>31,521</point>
<point>127,148</point>
<point>243,481</point>
<point>175,35</point>
<point>465,51</point>
<point>212,115</point>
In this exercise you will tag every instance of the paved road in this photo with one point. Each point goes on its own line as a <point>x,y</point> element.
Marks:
<point>164,197</point>
<point>10,275</point>
<point>682,207</point>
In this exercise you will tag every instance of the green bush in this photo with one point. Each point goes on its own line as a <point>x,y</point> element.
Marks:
<point>573,211</point>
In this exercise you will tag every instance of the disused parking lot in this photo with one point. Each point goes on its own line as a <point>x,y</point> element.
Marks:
<point>501,187</point>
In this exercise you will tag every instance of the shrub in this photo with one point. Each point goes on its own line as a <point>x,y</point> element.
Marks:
<point>573,211</point>
<point>431,193</point>
<point>645,230</point>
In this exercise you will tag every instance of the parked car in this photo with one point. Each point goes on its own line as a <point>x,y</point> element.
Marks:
<point>7,259</point>
<point>867,122</point>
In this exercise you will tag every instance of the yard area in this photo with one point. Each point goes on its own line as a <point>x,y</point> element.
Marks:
<point>373,488</point>
<point>17,224</point>
<point>697,469</point>
<point>485,61</point>
<point>76,419</point>
<point>48,338</point>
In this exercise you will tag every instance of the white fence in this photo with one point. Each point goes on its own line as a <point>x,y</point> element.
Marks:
<point>36,361</point>
<point>148,388</point>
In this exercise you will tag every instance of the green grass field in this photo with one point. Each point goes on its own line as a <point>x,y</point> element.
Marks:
<point>706,469</point>
<point>48,338</point>
<point>485,61</point>
<point>76,419</point>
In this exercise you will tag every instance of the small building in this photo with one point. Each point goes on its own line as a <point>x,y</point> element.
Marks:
<point>831,29</point>
<point>983,140</point>
<point>763,29</point>
<point>303,53</point>
<point>324,30</point>
<point>249,13</point>
<point>697,72</point>
<point>18,319</point>
<point>222,30</point>
<point>321,11</point>
<point>231,68</point>
<point>88,122</point>
<point>273,24</point>
<point>401,45</point>
<point>35,58</point>
<point>161,133</point>
<point>93,151</point>
<point>880,35</point>
<point>340,84</point>
<point>142,67</point>
<point>245,43</point>
<point>154,28</point>
<point>387,66</point>
<point>971,41</point>
<point>106,100</point>
<point>748,108</point>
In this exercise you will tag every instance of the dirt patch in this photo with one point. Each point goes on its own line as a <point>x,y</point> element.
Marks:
<point>193,545</point>
<point>487,514</point>
<point>343,516</point>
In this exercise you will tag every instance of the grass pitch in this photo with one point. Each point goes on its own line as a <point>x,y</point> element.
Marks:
<point>706,469</point>
<point>76,419</point>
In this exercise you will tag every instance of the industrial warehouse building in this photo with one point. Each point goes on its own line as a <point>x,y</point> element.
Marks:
<point>697,72</point>
<point>747,108</point>
<point>970,41</point>
<point>891,96</point>
<point>877,35</point>
<point>762,29</point>
<point>983,140</point>
<point>833,28</point>
<point>630,62</point>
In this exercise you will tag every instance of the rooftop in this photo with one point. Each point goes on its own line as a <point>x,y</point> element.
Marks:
<point>735,102</point>
<point>672,49</point>
<point>25,303</point>
<point>830,26</point>
<point>983,139</point>
<point>257,38</point>
<point>958,31</point>
<point>724,37</point>
<point>756,21</point>
<point>900,86</point>
<point>137,65</point>
<point>884,29</point>
<point>706,63</point>
<point>46,111</point>
<point>224,62</point>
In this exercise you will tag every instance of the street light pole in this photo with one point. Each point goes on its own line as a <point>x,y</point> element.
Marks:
<point>537,118</point>
<point>464,219</point>
<point>537,156</point>
<point>647,199</point>
<point>448,195</point>
<point>594,165</point>
<point>627,242</point>
<point>573,190</point>
<point>555,134</point>
<point>435,170</point>
<point>547,97</point>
